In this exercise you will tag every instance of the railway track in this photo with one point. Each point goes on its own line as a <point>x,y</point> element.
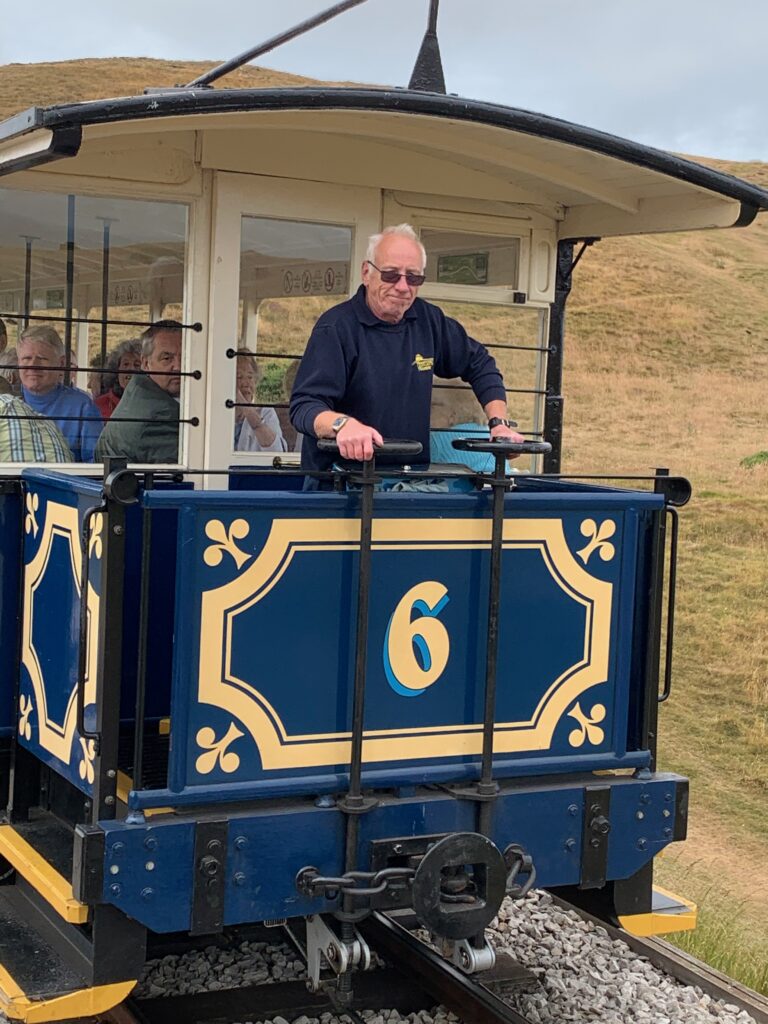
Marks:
<point>416,980</point>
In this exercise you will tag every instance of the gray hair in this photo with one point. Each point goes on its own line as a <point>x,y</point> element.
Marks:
<point>403,231</point>
<point>45,335</point>
<point>148,337</point>
<point>250,360</point>
<point>129,347</point>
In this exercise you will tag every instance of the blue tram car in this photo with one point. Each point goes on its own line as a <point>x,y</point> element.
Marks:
<point>225,699</point>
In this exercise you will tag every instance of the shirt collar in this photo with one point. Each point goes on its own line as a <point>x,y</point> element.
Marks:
<point>366,316</point>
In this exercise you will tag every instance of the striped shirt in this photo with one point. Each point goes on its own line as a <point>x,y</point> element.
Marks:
<point>29,440</point>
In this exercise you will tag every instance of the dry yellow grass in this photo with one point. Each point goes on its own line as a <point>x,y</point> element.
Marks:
<point>666,365</point>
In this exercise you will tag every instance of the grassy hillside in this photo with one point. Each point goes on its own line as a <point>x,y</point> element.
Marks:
<point>667,365</point>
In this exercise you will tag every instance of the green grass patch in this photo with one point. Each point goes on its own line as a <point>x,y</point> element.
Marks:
<point>758,459</point>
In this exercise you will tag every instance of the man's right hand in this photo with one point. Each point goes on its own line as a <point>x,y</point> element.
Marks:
<point>357,441</point>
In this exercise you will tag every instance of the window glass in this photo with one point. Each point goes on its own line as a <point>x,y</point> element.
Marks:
<point>290,273</point>
<point>512,334</point>
<point>464,258</point>
<point>95,258</point>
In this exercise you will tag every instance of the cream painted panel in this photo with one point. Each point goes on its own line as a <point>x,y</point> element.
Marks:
<point>317,156</point>
<point>671,213</point>
<point>147,159</point>
<point>238,195</point>
<point>541,280</point>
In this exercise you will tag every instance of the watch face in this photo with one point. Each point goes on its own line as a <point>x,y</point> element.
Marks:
<point>339,423</point>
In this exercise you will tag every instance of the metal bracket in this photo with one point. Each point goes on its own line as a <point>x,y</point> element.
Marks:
<point>323,944</point>
<point>594,843</point>
<point>209,878</point>
<point>469,959</point>
<point>88,864</point>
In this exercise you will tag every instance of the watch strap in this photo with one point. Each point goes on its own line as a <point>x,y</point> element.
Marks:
<point>497,421</point>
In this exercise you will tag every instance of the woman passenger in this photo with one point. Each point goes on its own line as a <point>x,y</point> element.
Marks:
<point>256,429</point>
<point>122,360</point>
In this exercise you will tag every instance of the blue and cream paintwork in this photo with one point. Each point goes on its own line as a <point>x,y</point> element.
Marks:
<point>262,695</point>
<point>253,606</point>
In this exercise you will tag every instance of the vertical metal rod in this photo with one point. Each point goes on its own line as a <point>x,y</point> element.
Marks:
<point>70,288</point>
<point>106,229</point>
<point>141,669</point>
<point>486,787</point>
<point>553,403</point>
<point>361,635</point>
<point>353,801</point>
<point>28,242</point>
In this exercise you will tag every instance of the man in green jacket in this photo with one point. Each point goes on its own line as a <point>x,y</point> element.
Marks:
<point>153,399</point>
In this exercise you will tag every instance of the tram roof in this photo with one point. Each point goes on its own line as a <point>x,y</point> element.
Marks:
<point>592,182</point>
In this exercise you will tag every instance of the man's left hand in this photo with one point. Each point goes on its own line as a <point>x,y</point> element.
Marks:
<point>508,434</point>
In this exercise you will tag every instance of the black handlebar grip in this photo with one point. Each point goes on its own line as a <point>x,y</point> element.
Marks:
<point>496,445</point>
<point>392,446</point>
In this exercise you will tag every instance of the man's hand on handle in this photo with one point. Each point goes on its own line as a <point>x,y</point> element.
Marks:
<point>509,434</point>
<point>356,440</point>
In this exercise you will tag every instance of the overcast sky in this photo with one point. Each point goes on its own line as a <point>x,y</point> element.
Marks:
<point>685,75</point>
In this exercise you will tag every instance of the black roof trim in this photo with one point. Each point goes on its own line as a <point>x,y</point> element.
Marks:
<point>177,102</point>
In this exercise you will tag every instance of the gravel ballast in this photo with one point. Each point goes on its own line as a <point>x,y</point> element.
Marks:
<point>583,975</point>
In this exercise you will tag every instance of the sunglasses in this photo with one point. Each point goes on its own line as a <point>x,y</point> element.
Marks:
<point>393,276</point>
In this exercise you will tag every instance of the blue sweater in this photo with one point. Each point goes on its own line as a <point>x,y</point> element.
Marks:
<point>81,435</point>
<point>381,373</point>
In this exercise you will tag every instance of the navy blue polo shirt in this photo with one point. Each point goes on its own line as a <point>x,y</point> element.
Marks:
<point>381,373</point>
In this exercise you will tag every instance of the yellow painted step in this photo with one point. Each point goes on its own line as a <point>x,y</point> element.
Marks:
<point>669,913</point>
<point>87,1002</point>
<point>53,887</point>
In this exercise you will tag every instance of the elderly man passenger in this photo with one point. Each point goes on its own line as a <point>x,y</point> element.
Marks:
<point>150,401</point>
<point>368,368</point>
<point>41,358</point>
<point>257,429</point>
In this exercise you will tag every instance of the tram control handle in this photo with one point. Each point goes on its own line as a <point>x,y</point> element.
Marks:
<point>501,446</point>
<point>393,446</point>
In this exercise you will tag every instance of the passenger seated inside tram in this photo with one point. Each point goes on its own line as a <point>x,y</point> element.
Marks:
<point>144,426</point>
<point>42,361</point>
<point>455,413</point>
<point>27,437</point>
<point>8,374</point>
<point>124,358</point>
<point>257,428</point>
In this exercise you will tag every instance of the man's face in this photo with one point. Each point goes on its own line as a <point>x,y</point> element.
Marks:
<point>165,358</point>
<point>40,367</point>
<point>391,302</point>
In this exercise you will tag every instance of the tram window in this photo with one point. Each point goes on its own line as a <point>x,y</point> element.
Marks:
<point>94,258</point>
<point>466,258</point>
<point>290,273</point>
<point>513,335</point>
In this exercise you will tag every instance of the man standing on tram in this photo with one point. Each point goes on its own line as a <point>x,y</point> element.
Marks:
<point>367,372</point>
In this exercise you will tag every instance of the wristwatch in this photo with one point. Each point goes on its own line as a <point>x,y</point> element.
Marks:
<point>338,423</point>
<point>497,421</point>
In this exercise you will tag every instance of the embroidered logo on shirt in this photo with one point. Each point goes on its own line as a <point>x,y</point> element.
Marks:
<point>423,362</point>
